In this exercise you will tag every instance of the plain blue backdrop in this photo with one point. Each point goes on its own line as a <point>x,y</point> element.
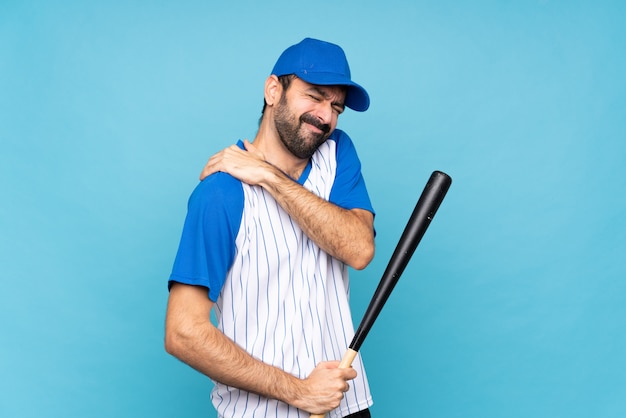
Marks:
<point>514,305</point>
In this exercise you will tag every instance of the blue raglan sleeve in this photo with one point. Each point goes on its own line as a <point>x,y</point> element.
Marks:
<point>349,190</point>
<point>207,245</point>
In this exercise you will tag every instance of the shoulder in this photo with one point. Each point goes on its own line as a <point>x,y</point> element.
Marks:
<point>344,146</point>
<point>340,136</point>
<point>218,193</point>
<point>217,186</point>
<point>342,141</point>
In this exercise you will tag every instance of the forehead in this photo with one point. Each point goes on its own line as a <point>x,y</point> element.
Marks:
<point>336,93</point>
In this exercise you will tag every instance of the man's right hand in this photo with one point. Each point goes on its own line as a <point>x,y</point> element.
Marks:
<point>324,389</point>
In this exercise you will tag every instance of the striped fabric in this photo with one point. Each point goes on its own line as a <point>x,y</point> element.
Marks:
<point>285,300</point>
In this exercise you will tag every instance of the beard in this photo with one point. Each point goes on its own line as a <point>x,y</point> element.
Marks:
<point>298,140</point>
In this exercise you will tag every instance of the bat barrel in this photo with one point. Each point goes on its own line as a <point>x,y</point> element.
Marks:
<point>425,209</point>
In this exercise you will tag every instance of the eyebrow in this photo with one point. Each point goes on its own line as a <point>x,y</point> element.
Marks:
<point>325,95</point>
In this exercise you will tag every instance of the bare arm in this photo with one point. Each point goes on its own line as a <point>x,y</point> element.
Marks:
<point>345,234</point>
<point>191,337</point>
<point>318,218</point>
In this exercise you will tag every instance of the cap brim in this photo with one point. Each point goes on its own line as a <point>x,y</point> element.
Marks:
<point>356,96</point>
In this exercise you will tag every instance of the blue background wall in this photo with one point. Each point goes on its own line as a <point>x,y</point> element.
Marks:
<point>514,304</point>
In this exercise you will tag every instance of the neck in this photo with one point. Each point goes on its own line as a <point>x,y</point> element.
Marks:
<point>269,143</point>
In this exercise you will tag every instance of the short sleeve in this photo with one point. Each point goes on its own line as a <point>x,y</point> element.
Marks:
<point>349,190</point>
<point>207,246</point>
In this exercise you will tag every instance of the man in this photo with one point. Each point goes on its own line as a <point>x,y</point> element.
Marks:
<point>267,241</point>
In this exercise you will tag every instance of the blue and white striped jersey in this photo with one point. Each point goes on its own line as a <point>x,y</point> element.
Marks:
<point>278,295</point>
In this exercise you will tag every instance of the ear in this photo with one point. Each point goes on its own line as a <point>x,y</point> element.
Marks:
<point>273,90</point>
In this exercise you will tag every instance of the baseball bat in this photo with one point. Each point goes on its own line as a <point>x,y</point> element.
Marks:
<point>425,209</point>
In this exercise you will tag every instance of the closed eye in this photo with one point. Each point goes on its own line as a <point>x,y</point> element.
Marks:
<point>339,108</point>
<point>317,95</point>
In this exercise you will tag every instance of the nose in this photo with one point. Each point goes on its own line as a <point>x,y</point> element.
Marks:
<point>324,111</point>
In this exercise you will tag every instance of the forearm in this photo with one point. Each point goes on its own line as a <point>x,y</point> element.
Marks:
<point>347,235</point>
<point>206,349</point>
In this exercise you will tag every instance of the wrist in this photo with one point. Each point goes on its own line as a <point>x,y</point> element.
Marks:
<point>274,179</point>
<point>292,391</point>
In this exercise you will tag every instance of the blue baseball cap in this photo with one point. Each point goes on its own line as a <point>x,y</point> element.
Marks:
<point>324,64</point>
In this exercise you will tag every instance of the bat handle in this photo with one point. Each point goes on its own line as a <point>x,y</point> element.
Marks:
<point>348,358</point>
<point>346,363</point>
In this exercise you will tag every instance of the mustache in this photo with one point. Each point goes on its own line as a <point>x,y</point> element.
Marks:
<point>312,120</point>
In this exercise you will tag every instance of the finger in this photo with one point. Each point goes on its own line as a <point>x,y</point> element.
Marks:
<point>332,364</point>
<point>209,168</point>
<point>251,148</point>
<point>204,172</point>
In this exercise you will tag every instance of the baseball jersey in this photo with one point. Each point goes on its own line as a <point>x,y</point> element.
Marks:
<point>276,293</point>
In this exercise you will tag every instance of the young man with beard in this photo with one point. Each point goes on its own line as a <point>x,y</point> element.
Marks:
<point>267,241</point>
